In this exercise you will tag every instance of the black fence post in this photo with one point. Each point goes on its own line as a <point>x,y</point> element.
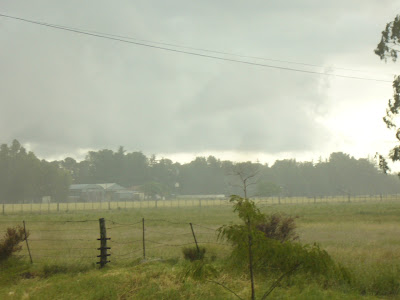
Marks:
<point>3,208</point>
<point>103,244</point>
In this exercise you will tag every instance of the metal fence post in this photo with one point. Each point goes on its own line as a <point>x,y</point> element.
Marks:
<point>103,244</point>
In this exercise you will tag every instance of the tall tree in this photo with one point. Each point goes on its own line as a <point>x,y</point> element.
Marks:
<point>23,177</point>
<point>389,47</point>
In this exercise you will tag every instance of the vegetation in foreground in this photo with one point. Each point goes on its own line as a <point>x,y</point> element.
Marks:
<point>363,238</point>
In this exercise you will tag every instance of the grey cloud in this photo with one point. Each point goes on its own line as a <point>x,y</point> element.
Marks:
<point>61,91</point>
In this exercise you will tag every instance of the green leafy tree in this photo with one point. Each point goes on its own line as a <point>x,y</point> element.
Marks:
<point>268,243</point>
<point>389,47</point>
<point>242,236</point>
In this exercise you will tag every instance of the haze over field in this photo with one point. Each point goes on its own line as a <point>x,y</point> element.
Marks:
<point>199,149</point>
<point>64,93</point>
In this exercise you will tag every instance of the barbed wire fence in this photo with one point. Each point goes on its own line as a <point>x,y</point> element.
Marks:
<point>112,242</point>
<point>18,208</point>
<point>50,241</point>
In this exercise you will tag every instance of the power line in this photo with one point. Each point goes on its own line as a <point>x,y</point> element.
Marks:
<point>208,50</point>
<point>191,53</point>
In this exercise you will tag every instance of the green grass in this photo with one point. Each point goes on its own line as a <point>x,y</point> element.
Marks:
<point>364,237</point>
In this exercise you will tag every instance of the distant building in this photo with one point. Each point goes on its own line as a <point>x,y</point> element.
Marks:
<point>115,192</point>
<point>86,193</point>
<point>101,192</point>
<point>111,186</point>
<point>137,194</point>
<point>213,196</point>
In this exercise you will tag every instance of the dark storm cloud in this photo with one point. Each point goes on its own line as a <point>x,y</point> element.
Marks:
<point>62,91</point>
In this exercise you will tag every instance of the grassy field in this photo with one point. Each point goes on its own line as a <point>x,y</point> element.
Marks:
<point>363,236</point>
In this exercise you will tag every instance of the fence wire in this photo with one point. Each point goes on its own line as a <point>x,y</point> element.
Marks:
<point>66,240</point>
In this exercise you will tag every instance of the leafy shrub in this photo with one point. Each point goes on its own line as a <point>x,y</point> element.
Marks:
<point>192,254</point>
<point>273,254</point>
<point>279,227</point>
<point>11,242</point>
<point>273,244</point>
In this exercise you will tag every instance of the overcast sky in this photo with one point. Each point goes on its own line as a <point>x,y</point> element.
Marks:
<point>64,93</point>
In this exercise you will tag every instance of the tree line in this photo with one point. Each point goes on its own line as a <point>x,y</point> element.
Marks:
<point>340,174</point>
<point>26,178</point>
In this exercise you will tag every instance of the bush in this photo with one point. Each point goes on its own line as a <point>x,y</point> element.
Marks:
<point>192,254</point>
<point>279,227</point>
<point>273,245</point>
<point>11,242</point>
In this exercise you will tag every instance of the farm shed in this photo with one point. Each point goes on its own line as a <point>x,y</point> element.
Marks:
<point>115,192</point>
<point>86,193</point>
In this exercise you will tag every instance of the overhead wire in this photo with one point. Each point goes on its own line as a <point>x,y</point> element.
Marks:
<point>191,53</point>
<point>209,50</point>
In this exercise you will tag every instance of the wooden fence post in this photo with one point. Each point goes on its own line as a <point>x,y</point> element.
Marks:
<point>3,208</point>
<point>194,236</point>
<point>143,241</point>
<point>103,244</point>
<point>27,245</point>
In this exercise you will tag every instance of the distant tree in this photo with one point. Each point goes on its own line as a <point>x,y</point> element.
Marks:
<point>202,176</point>
<point>23,177</point>
<point>136,168</point>
<point>165,171</point>
<point>267,189</point>
<point>154,189</point>
<point>287,175</point>
<point>72,166</point>
<point>244,178</point>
